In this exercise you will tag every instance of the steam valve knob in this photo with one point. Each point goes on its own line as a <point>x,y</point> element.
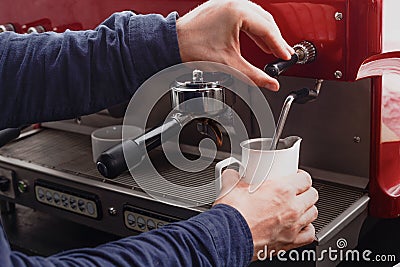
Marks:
<point>305,52</point>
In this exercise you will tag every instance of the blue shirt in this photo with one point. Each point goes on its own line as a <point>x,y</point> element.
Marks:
<point>52,76</point>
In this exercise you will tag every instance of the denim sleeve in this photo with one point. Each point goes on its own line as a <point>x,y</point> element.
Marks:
<point>53,76</point>
<point>218,237</point>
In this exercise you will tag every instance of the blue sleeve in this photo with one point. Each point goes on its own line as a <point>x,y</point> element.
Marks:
<point>52,76</point>
<point>218,237</point>
<point>56,76</point>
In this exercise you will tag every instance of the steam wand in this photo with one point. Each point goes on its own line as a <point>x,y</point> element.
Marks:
<point>302,96</point>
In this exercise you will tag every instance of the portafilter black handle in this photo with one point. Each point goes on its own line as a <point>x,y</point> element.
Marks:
<point>305,52</point>
<point>112,162</point>
<point>9,134</point>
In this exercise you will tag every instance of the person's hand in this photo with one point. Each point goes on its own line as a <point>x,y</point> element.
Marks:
<point>279,213</point>
<point>210,32</point>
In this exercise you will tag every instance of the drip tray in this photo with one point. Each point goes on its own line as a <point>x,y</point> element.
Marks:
<point>71,153</point>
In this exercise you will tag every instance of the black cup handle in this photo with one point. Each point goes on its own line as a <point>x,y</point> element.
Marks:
<point>112,162</point>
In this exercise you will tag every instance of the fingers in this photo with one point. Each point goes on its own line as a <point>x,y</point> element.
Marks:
<point>259,77</point>
<point>307,199</point>
<point>259,23</point>
<point>290,48</point>
<point>309,216</point>
<point>260,43</point>
<point>301,181</point>
<point>306,236</point>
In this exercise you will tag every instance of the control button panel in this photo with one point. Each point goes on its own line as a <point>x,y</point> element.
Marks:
<point>68,199</point>
<point>142,220</point>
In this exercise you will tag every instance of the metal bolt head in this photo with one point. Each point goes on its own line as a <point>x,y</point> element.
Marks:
<point>357,139</point>
<point>338,74</point>
<point>112,211</point>
<point>22,186</point>
<point>338,16</point>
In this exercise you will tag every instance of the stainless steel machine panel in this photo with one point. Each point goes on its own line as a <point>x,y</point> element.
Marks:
<point>49,149</point>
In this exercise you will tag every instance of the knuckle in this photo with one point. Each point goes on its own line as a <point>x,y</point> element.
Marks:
<point>265,13</point>
<point>232,5</point>
<point>293,230</point>
<point>295,214</point>
<point>287,190</point>
<point>281,189</point>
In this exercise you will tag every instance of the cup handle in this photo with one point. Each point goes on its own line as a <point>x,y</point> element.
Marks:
<point>222,164</point>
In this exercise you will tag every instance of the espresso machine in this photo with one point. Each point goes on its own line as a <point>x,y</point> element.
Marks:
<point>354,169</point>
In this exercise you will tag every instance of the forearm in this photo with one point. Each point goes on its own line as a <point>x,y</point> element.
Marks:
<point>54,76</point>
<point>219,237</point>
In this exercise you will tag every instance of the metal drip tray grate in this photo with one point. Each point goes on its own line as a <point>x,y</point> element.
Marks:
<point>71,153</point>
<point>333,200</point>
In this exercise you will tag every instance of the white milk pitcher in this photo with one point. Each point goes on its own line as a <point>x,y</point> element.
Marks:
<point>259,163</point>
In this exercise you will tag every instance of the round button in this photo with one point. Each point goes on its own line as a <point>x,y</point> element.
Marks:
<point>159,225</point>
<point>72,203</point>
<point>64,200</point>
<point>131,220</point>
<point>81,205</point>
<point>40,193</point>
<point>49,196</point>
<point>151,224</point>
<point>90,208</point>
<point>57,198</point>
<point>141,223</point>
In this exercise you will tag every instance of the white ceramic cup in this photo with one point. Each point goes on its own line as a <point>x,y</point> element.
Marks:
<point>259,163</point>
<point>107,137</point>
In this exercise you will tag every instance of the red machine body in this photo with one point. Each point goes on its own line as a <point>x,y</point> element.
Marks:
<point>345,33</point>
